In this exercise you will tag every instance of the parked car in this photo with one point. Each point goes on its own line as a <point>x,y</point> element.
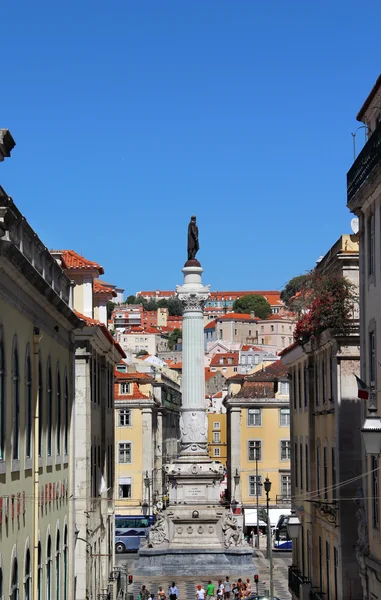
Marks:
<point>130,542</point>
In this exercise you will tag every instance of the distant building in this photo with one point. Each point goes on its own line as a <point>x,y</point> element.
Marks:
<point>232,328</point>
<point>217,440</point>
<point>138,339</point>
<point>215,381</point>
<point>251,356</point>
<point>277,331</point>
<point>227,363</point>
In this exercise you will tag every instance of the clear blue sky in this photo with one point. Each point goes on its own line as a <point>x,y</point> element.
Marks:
<point>129,116</point>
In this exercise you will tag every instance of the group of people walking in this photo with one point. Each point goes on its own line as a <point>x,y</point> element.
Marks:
<point>224,590</point>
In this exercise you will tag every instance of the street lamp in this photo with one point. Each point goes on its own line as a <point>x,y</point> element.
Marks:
<point>236,479</point>
<point>267,486</point>
<point>293,526</point>
<point>147,483</point>
<point>371,430</point>
<point>354,138</point>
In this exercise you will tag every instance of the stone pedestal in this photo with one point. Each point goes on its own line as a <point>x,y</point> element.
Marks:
<point>195,534</point>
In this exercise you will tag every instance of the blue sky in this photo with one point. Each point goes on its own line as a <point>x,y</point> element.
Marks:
<point>129,116</point>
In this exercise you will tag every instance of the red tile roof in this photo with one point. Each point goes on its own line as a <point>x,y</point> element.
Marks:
<point>247,348</point>
<point>215,362</point>
<point>288,349</point>
<point>274,371</point>
<point>94,323</point>
<point>236,317</point>
<point>209,374</point>
<point>211,325</point>
<point>72,260</point>
<point>137,376</point>
<point>100,288</point>
<point>136,394</point>
<point>175,366</point>
<point>276,317</point>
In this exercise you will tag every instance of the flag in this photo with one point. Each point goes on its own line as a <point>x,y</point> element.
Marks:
<point>362,389</point>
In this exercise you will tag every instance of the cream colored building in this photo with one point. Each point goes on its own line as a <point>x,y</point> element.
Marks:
<point>277,331</point>
<point>37,323</point>
<point>326,450</point>
<point>364,200</point>
<point>139,339</point>
<point>96,354</point>
<point>258,437</point>
<point>146,436</point>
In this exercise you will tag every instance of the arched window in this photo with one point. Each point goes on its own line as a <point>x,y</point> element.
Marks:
<point>40,407</point>
<point>59,408</point>
<point>66,429</point>
<point>65,565</point>
<point>14,581</point>
<point>2,399</point>
<point>1,582</point>
<point>49,391</point>
<point>58,566</point>
<point>28,407</point>
<point>27,576</point>
<point>39,573</point>
<point>49,569</point>
<point>15,403</point>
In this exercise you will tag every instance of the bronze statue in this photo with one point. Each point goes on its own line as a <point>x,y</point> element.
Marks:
<point>193,245</point>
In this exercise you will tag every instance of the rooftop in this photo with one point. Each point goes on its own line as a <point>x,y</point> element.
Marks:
<point>72,260</point>
<point>226,359</point>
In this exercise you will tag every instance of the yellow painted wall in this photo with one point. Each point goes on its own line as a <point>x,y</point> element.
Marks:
<point>134,469</point>
<point>270,433</point>
<point>221,419</point>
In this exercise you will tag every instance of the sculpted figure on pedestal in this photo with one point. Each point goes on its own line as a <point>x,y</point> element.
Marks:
<point>192,429</point>
<point>158,532</point>
<point>233,534</point>
<point>193,245</point>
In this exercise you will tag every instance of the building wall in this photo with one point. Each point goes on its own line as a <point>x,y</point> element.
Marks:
<point>278,334</point>
<point>217,439</point>
<point>133,434</point>
<point>235,331</point>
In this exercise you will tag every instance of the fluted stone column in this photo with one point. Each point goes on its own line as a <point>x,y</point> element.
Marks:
<point>193,420</point>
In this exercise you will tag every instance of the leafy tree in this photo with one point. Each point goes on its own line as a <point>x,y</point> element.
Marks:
<point>131,299</point>
<point>150,305</point>
<point>110,307</point>
<point>253,303</point>
<point>175,307</point>
<point>142,353</point>
<point>174,337</point>
<point>292,287</point>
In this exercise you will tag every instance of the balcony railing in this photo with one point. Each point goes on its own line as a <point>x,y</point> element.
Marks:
<point>364,164</point>
<point>295,578</point>
<point>283,498</point>
<point>314,595</point>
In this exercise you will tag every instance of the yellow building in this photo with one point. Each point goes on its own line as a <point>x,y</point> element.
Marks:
<point>326,450</point>
<point>146,436</point>
<point>258,436</point>
<point>217,439</point>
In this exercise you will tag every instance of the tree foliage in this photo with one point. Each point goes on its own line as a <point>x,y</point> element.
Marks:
<point>253,303</point>
<point>110,307</point>
<point>142,353</point>
<point>292,287</point>
<point>174,337</point>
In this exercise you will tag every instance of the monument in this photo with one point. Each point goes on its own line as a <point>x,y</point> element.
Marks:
<point>195,532</point>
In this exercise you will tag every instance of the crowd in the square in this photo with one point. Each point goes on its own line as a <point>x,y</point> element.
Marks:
<point>224,590</point>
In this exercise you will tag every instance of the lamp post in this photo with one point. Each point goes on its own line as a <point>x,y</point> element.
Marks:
<point>371,430</point>
<point>236,478</point>
<point>147,484</point>
<point>354,138</point>
<point>267,486</point>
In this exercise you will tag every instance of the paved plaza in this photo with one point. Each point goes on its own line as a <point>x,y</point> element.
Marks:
<point>187,585</point>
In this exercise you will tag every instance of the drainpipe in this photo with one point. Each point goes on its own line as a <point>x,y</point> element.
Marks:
<point>36,471</point>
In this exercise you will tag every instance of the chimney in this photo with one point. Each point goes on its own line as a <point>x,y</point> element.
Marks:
<point>252,314</point>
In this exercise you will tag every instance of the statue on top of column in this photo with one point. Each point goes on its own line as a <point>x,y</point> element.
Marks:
<point>193,245</point>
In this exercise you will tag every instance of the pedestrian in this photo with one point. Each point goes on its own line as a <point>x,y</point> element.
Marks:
<point>220,590</point>
<point>200,593</point>
<point>144,593</point>
<point>248,587</point>
<point>227,588</point>
<point>161,594</point>
<point>210,591</point>
<point>173,592</point>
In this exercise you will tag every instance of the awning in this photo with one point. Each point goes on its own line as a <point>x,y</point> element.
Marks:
<point>124,480</point>
<point>250,516</point>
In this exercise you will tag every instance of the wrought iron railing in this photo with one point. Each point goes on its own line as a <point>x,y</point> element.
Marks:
<point>364,164</point>
<point>294,580</point>
<point>314,595</point>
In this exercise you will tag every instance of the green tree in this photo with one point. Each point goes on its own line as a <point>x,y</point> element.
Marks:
<point>110,307</point>
<point>174,337</point>
<point>253,303</point>
<point>142,353</point>
<point>292,287</point>
<point>131,299</point>
<point>175,307</point>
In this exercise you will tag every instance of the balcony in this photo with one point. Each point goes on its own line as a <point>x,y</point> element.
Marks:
<point>314,595</point>
<point>365,163</point>
<point>295,579</point>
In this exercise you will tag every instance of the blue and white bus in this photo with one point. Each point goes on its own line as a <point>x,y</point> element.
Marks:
<point>282,540</point>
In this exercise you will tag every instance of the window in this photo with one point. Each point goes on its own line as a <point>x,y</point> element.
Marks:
<point>318,468</point>
<point>285,417</point>
<point>255,485</point>
<point>375,491</point>
<point>285,485</point>
<point>235,331</point>
<point>66,408</point>
<point>272,327</point>
<point>262,328</point>
<point>305,385</point>
<point>58,567</point>
<point>28,407</point>
<point>59,408</point>
<point>15,403</point>
<point>301,466</point>
<point>256,359</point>
<point>325,472</point>
<point>216,437</point>
<point>309,556</point>
<point>2,399</point>
<point>320,564</point>
<point>299,370</point>
<point>124,489</point>
<point>27,576</point>
<point>216,452</point>
<point>49,569</point>
<point>39,573</point>
<point>307,470</point>
<point>64,565</point>
<point>124,388</point>
<point>296,464</point>
<point>262,340</point>
<point>372,358</point>
<point>328,569</point>
<point>50,409</point>
<point>216,425</point>
<point>284,388</point>
<point>333,467</point>
<point>124,418</point>
<point>336,567</point>
<point>371,251</point>
<point>14,581</point>
<point>324,380</point>
<point>283,342</point>
<point>316,373</point>
<point>221,334</point>
<point>254,417</point>
<point>124,452</point>
<point>255,450</point>
<point>285,450</point>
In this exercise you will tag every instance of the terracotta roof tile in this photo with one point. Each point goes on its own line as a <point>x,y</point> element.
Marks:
<point>72,260</point>
<point>216,360</point>
<point>101,288</point>
<point>94,323</point>
<point>136,394</point>
<point>274,371</point>
<point>133,376</point>
<point>236,317</point>
<point>247,348</point>
<point>211,325</point>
